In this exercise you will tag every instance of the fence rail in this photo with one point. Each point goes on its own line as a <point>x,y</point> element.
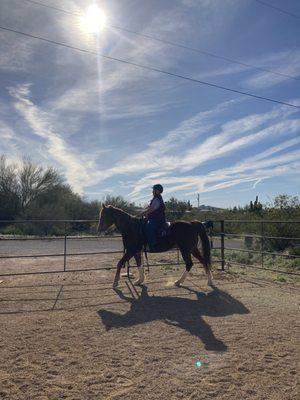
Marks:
<point>262,237</point>
<point>220,234</point>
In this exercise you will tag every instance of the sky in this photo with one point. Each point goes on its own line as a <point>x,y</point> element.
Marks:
<point>114,128</point>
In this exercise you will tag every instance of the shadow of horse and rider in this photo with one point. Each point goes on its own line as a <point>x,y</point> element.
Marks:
<point>181,312</point>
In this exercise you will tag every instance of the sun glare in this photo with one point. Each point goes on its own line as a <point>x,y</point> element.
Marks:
<point>94,19</point>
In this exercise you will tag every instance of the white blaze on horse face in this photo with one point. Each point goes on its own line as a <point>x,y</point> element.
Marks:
<point>106,219</point>
<point>101,224</point>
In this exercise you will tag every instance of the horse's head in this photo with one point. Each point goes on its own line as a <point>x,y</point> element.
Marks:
<point>106,218</point>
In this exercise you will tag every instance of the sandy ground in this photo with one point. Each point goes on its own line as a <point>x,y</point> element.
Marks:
<point>71,336</point>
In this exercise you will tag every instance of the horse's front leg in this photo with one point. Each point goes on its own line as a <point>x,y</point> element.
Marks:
<point>120,265</point>
<point>138,260</point>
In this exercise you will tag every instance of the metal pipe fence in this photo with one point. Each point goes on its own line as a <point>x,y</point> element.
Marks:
<point>67,234</point>
<point>65,237</point>
<point>263,238</point>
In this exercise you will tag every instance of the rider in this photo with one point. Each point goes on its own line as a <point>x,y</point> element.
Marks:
<point>155,214</point>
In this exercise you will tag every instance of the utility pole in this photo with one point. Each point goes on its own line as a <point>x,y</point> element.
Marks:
<point>198,198</point>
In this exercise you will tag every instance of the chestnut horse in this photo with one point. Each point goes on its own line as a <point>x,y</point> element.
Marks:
<point>182,234</point>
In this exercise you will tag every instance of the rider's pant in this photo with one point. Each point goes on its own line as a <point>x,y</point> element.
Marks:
<point>152,228</point>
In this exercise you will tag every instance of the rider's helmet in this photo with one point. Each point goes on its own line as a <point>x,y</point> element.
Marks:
<point>158,187</point>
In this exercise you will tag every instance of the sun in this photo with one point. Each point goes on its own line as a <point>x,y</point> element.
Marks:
<point>94,20</point>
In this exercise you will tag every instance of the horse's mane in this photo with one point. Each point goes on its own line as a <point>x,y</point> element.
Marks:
<point>119,211</point>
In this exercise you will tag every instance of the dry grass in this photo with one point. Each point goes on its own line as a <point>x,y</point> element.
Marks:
<point>71,336</point>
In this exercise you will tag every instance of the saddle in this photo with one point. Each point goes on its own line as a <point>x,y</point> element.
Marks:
<point>164,230</point>
<point>161,236</point>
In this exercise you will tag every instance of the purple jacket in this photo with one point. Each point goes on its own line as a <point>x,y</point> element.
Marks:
<point>159,213</point>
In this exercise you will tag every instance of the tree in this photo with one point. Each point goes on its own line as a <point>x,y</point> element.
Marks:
<point>9,190</point>
<point>35,181</point>
<point>33,192</point>
<point>177,207</point>
<point>285,202</point>
<point>283,208</point>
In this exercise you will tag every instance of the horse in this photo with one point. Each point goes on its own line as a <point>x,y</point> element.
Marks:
<point>182,234</point>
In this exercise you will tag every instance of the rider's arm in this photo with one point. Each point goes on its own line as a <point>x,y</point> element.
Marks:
<point>154,206</point>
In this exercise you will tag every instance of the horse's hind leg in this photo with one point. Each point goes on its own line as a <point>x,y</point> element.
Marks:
<point>138,260</point>
<point>196,253</point>
<point>188,265</point>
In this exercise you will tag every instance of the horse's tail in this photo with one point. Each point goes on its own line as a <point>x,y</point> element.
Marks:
<point>204,243</point>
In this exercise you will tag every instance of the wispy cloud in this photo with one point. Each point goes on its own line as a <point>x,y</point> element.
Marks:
<point>169,154</point>
<point>162,154</point>
<point>233,136</point>
<point>251,172</point>
<point>284,62</point>
<point>57,149</point>
<point>9,143</point>
<point>225,143</point>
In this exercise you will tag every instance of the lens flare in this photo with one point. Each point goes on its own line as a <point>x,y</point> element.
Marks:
<point>94,19</point>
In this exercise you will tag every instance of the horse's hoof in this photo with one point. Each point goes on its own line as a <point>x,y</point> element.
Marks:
<point>210,283</point>
<point>177,283</point>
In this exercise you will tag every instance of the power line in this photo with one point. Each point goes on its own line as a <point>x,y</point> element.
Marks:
<point>171,43</point>
<point>258,1</point>
<point>207,53</point>
<point>187,78</point>
<point>264,3</point>
<point>51,7</point>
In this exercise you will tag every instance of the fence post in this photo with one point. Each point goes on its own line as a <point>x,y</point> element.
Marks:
<point>262,244</point>
<point>65,248</point>
<point>222,245</point>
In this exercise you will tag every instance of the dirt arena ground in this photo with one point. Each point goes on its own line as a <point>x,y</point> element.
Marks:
<point>71,336</point>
